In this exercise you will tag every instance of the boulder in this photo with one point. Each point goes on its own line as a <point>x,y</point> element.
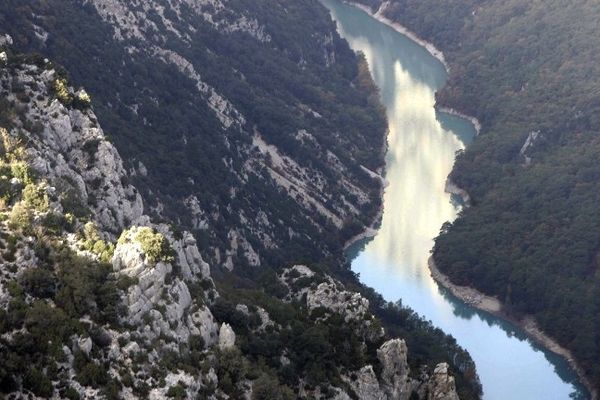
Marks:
<point>226,337</point>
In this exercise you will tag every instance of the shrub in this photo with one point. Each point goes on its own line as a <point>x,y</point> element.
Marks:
<point>72,394</point>
<point>82,100</point>
<point>38,383</point>
<point>154,245</point>
<point>36,197</point>
<point>21,171</point>
<point>38,282</point>
<point>20,218</point>
<point>92,374</point>
<point>268,388</point>
<point>61,91</point>
<point>231,369</point>
<point>94,243</point>
<point>45,323</point>
<point>177,392</point>
<point>56,223</point>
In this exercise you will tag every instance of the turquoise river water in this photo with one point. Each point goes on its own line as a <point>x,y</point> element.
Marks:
<point>422,146</point>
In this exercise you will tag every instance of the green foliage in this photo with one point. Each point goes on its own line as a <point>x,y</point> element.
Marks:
<point>92,374</point>
<point>86,288</point>
<point>154,245</point>
<point>177,392</point>
<point>35,196</point>
<point>268,388</point>
<point>46,323</point>
<point>231,369</point>
<point>36,381</point>
<point>38,282</point>
<point>61,91</point>
<point>20,218</point>
<point>72,394</point>
<point>82,100</point>
<point>93,242</point>
<point>21,171</point>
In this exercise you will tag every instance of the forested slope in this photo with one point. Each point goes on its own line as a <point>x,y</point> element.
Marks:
<point>529,71</point>
<point>86,316</point>
<point>251,125</point>
<point>222,107</point>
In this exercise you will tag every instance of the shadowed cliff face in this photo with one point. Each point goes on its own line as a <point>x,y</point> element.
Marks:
<point>257,134</point>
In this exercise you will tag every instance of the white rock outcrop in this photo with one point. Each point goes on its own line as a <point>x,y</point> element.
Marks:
<point>394,375</point>
<point>324,292</point>
<point>226,337</point>
<point>71,152</point>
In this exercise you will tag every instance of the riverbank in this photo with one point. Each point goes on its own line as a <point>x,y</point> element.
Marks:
<point>472,120</point>
<point>430,47</point>
<point>471,296</point>
<point>453,188</point>
<point>379,16</point>
<point>492,305</point>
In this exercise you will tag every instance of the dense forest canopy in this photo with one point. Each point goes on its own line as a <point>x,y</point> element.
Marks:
<point>527,70</point>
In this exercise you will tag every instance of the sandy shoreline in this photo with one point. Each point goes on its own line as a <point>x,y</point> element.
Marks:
<point>528,324</point>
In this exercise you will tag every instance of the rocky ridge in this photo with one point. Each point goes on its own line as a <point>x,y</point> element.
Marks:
<point>79,175</point>
<point>322,292</point>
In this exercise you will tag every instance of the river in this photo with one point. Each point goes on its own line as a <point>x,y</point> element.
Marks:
<point>422,147</point>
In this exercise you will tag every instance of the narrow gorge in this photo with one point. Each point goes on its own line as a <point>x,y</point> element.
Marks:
<point>422,145</point>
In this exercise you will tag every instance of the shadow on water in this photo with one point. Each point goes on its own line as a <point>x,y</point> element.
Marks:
<point>561,367</point>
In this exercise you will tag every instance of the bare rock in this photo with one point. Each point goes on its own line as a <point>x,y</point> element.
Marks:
<point>395,380</point>
<point>441,385</point>
<point>365,384</point>
<point>226,337</point>
<point>85,345</point>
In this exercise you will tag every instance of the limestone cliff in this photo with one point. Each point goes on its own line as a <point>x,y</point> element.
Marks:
<point>64,191</point>
<point>104,294</point>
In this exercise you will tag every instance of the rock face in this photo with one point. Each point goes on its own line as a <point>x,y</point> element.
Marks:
<point>226,337</point>
<point>159,301</point>
<point>81,172</point>
<point>395,381</point>
<point>321,292</point>
<point>69,149</point>
<point>366,386</point>
<point>441,385</point>
<point>154,325</point>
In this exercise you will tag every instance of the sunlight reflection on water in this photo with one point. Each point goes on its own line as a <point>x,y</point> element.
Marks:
<point>422,147</point>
